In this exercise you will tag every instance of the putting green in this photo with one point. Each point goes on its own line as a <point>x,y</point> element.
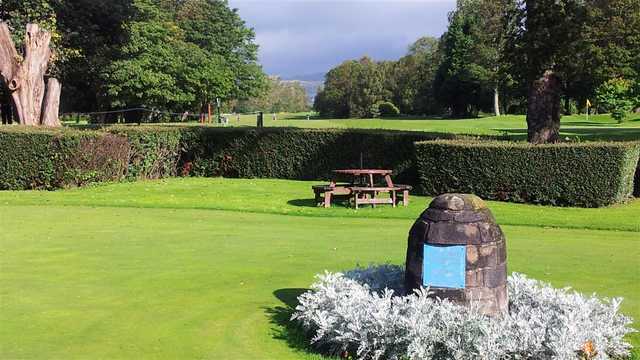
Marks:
<point>163,276</point>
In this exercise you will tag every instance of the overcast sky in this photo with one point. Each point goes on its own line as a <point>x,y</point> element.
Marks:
<point>300,37</point>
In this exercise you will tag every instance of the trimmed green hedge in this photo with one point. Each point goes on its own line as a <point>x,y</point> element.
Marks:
<point>636,184</point>
<point>51,159</point>
<point>297,153</point>
<point>155,150</point>
<point>587,174</point>
<point>285,153</point>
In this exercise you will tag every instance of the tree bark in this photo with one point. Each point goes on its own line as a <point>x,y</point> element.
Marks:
<point>51,106</point>
<point>567,106</point>
<point>543,109</point>
<point>24,76</point>
<point>496,102</point>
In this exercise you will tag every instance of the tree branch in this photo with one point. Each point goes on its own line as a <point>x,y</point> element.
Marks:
<point>8,55</point>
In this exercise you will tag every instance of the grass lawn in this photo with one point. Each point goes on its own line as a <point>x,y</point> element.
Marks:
<point>576,127</point>
<point>208,268</point>
<point>598,127</point>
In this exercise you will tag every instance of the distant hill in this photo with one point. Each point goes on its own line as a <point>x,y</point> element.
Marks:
<point>307,77</point>
<point>311,83</point>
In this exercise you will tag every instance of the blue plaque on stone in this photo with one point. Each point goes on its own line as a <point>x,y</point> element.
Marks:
<point>444,266</point>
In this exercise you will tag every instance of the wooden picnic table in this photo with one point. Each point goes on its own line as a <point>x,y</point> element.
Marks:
<point>363,189</point>
<point>364,176</point>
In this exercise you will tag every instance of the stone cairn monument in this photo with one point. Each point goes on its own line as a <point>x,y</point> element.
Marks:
<point>459,252</point>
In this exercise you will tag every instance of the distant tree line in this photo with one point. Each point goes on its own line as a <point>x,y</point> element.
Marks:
<point>173,55</point>
<point>279,96</point>
<point>504,56</point>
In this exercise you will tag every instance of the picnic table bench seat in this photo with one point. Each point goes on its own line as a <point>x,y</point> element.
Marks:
<point>403,190</point>
<point>330,191</point>
<point>362,194</point>
<point>368,195</point>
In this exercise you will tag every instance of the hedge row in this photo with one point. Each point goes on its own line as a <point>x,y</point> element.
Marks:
<point>155,152</point>
<point>590,174</point>
<point>53,159</point>
<point>587,174</point>
<point>636,191</point>
<point>282,153</point>
<point>50,159</point>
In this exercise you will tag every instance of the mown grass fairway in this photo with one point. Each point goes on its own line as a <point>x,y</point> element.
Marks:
<point>598,127</point>
<point>575,127</point>
<point>206,268</point>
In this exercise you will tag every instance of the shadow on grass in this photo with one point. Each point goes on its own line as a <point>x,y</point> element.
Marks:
<point>303,203</point>
<point>407,117</point>
<point>590,134</point>
<point>311,203</point>
<point>283,328</point>
<point>590,123</point>
<point>302,117</point>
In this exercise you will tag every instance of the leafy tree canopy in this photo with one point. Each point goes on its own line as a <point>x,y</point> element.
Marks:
<point>352,89</point>
<point>159,68</point>
<point>171,54</point>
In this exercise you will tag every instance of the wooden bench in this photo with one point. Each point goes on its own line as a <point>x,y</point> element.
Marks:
<point>324,193</point>
<point>403,190</point>
<point>362,195</point>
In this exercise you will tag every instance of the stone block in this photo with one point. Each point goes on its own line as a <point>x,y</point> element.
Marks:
<point>448,202</point>
<point>452,233</point>
<point>455,220</point>
<point>471,216</point>
<point>456,295</point>
<point>495,276</point>
<point>437,215</point>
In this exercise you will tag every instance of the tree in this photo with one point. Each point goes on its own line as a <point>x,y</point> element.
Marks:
<point>17,14</point>
<point>461,83</point>
<point>24,75</point>
<point>409,81</point>
<point>580,43</point>
<point>160,69</point>
<point>96,29</point>
<point>609,45</point>
<point>351,89</point>
<point>540,48</point>
<point>216,28</point>
<point>472,72</point>
<point>30,25</point>
<point>149,62</point>
<point>617,97</point>
<point>182,55</point>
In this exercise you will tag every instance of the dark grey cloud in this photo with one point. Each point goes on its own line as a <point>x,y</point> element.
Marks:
<point>298,37</point>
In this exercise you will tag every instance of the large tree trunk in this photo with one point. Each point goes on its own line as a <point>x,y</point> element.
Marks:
<point>24,76</point>
<point>51,106</point>
<point>543,109</point>
<point>496,102</point>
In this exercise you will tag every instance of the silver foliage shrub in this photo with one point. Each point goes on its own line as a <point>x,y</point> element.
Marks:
<point>361,313</point>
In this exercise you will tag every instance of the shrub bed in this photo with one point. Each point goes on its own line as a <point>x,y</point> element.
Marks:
<point>586,174</point>
<point>51,159</point>
<point>362,314</point>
